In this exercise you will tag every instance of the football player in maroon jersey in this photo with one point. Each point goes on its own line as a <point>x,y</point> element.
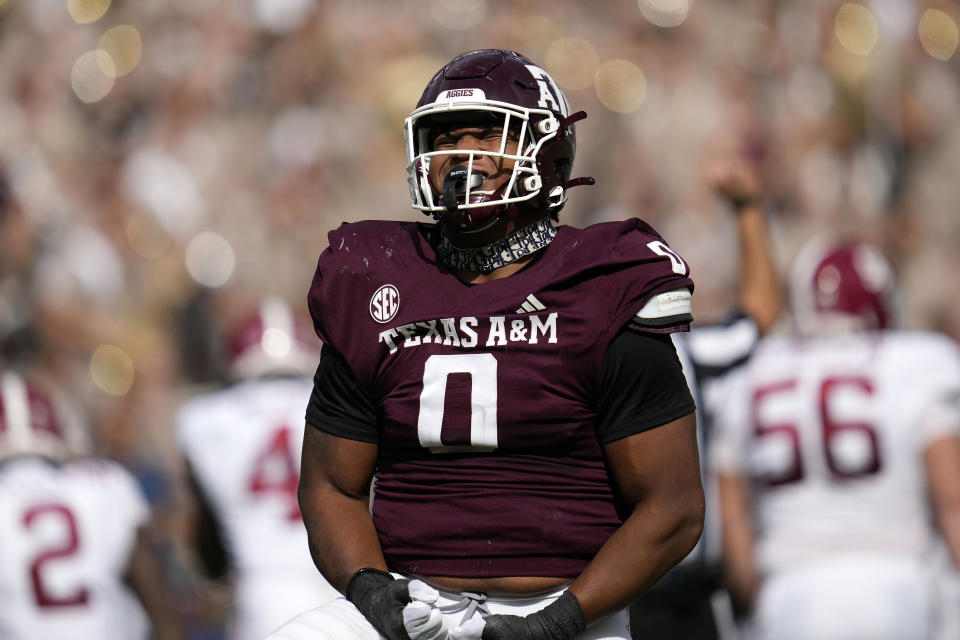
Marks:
<point>500,442</point>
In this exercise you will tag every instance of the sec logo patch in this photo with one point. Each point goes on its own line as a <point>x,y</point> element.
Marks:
<point>385,303</point>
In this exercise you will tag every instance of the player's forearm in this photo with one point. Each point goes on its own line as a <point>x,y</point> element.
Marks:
<point>760,294</point>
<point>657,535</point>
<point>341,534</point>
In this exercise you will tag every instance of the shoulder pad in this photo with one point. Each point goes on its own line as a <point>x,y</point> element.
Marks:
<point>668,308</point>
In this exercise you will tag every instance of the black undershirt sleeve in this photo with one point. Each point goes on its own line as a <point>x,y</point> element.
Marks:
<point>641,386</point>
<point>338,404</point>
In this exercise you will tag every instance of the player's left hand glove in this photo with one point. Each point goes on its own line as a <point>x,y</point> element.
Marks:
<point>421,618</point>
<point>562,620</point>
<point>399,609</point>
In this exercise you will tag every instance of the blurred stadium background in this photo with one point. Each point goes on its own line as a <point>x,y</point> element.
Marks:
<point>173,161</point>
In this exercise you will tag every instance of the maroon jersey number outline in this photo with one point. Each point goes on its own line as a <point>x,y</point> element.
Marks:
<point>264,477</point>
<point>830,429</point>
<point>794,472</point>
<point>71,546</point>
<point>833,428</point>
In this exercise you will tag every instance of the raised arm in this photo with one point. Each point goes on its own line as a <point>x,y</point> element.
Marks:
<point>760,293</point>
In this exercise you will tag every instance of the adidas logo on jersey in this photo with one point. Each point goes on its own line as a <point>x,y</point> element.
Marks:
<point>530,305</point>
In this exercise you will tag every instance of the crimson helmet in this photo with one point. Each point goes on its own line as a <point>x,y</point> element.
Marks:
<point>842,285</point>
<point>31,423</point>
<point>508,89</point>
<point>272,341</point>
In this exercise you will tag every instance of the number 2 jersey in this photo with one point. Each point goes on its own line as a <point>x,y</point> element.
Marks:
<point>66,534</point>
<point>486,397</point>
<point>830,434</point>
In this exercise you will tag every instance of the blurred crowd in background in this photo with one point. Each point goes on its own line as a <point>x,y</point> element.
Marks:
<point>168,163</point>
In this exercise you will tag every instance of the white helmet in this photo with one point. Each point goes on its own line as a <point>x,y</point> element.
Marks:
<point>272,341</point>
<point>31,422</point>
<point>842,285</point>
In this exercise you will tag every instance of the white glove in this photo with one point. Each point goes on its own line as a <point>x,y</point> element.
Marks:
<point>421,619</point>
<point>472,629</point>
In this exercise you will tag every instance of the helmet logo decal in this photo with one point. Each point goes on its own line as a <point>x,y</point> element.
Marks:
<point>550,95</point>
<point>454,95</point>
<point>385,303</point>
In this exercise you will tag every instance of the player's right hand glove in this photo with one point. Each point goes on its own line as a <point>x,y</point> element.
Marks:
<point>561,620</point>
<point>399,609</point>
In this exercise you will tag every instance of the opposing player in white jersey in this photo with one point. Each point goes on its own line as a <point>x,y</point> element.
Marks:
<point>242,446</point>
<point>73,532</point>
<point>832,446</point>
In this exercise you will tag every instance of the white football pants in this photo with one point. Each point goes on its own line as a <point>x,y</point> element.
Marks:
<point>847,598</point>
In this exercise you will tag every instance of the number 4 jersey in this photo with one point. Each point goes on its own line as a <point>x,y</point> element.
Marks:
<point>830,433</point>
<point>243,446</point>
<point>486,397</point>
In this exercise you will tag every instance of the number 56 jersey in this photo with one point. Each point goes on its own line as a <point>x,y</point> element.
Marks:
<point>830,434</point>
<point>487,395</point>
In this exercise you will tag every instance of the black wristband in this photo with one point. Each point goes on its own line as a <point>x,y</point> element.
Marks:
<point>361,582</point>
<point>565,616</point>
<point>381,599</point>
<point>739,204</point>
<point>560,620</point>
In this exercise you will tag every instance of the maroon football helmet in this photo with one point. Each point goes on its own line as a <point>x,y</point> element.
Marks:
<point>31,423</point>
<point>842,285</point>
<point>506,89</point>
<point>272,341</point>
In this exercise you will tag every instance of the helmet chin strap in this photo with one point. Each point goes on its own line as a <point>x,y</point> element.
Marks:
<point>518,244</point>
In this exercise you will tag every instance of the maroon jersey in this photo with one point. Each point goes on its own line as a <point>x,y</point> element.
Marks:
<point>489,463</point>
